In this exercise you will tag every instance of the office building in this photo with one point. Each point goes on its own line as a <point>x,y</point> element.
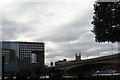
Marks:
<point>9,55</point>
<point>29,55</point>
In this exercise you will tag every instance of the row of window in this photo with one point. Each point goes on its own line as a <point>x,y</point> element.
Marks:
<point>5,51</point>
<point>25,51</point>
<point>25,56</point>
<point>32,44</point>
<point>22,59</point>
<point>30,49</point>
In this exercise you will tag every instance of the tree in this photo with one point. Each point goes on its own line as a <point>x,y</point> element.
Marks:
<point>106,22</point>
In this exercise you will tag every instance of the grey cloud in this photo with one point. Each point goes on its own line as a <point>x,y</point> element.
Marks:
<point>12,30</point>
<point>77,30</point>
<point>83,20</point>
<point>69,32</point>
<point>69,49</point>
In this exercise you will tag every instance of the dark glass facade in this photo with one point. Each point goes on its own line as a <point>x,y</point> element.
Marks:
<point>28,55</point>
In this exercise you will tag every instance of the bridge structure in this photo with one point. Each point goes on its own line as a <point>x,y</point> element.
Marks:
<point>89,66</point>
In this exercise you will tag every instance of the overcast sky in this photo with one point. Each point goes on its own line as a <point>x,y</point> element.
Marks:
<point>65,27</point>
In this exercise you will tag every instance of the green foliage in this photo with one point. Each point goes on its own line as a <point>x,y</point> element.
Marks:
<point>106,21</point>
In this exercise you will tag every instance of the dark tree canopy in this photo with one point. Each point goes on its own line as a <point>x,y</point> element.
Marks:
<point>106,21</point>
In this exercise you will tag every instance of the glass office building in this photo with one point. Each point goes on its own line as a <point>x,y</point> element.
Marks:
<point>27,55</point>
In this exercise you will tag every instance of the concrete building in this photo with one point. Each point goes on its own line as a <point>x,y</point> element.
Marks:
<point>28,55</point>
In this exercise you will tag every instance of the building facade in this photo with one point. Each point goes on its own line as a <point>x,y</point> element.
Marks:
<point>9,55</point>
<point>29,55</point>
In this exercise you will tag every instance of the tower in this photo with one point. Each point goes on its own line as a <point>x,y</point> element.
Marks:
<point>78,57</point>
<point>51,64</point>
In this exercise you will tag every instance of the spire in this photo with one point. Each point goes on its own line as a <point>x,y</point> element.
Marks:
<point>76,54</point>
<point>79,53</point>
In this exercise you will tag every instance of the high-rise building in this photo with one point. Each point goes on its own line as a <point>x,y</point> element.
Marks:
<point>30,55</point>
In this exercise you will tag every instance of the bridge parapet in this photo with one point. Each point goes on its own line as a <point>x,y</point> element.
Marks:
<point>111,59</point>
